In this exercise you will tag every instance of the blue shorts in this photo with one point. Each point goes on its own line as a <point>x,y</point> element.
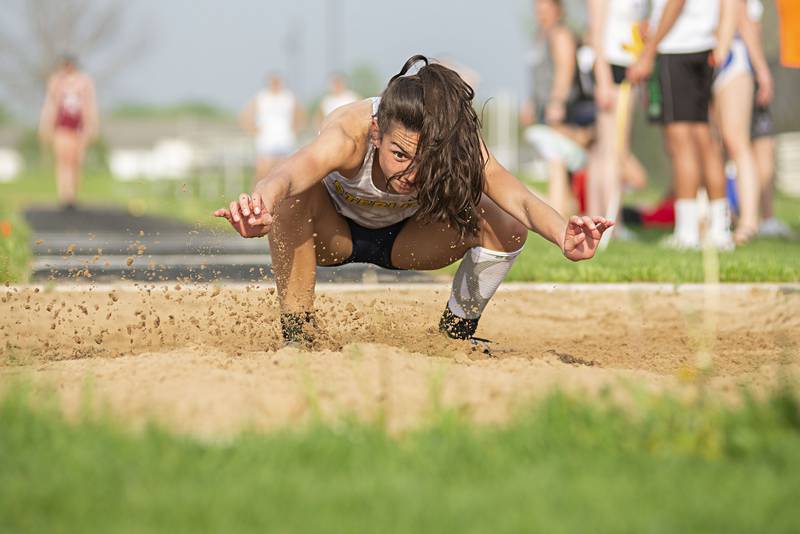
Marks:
<point>373,245</point>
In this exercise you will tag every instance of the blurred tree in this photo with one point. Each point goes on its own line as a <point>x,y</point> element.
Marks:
<point>5,116</point>
<point>365,80</point>
<point>35,34</point>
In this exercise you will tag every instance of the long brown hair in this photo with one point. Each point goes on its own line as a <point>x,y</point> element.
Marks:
<point>449,162</point>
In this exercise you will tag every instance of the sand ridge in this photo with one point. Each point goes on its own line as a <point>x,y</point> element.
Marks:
<point>208,359</point>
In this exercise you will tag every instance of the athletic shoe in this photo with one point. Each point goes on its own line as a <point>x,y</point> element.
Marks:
<point>774,227</point>
<point>481,345</point>
<point>675,242</point>
<point>456,327</point>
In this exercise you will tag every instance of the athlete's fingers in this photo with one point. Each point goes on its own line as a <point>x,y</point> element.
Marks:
<point>234,207</point>
<point>588,223</point>
<point>577,221</point>
<point>257,203</point>
<point>222,212</point>
<point>244,203</point>
<point>577,240</point>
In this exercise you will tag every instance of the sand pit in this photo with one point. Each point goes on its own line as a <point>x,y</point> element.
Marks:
<point>208,360</point>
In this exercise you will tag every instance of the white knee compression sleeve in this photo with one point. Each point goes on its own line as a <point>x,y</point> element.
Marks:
<point>477,279</point>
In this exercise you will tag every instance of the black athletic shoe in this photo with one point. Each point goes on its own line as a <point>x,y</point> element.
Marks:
<point>298,329</point>
<point>456,327</point>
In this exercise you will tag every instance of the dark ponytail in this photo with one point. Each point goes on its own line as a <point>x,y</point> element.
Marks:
<point>449,162</point>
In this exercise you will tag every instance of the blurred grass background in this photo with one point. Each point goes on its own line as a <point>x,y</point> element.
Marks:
<point>643,260</point>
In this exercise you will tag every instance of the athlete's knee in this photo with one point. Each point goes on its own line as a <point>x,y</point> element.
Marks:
<point>506,234</point>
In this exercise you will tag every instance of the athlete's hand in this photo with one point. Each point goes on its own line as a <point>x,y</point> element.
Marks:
<point>583,236</point>
<point>249,216</point>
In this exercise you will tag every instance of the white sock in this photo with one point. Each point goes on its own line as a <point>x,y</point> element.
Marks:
<point>719,217</point>
<point>477,280</point>
<point>687,220</point>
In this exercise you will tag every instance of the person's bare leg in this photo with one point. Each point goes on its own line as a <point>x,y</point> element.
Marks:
<point>686,177</point>
<point>307,232</point>
<point>427,246</point>
<point>67,150</point>
<point>633,172</point>
<point>558,187</point>
<point>734,123</point>
<point>718,231</point>
<point>686,165</point>
<point>712,168</point>
<point>603,163</point>
<point>764,151</point>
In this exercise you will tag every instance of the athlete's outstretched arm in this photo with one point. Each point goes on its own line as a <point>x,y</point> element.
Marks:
<point>577,238</point>
<point>251,215</point>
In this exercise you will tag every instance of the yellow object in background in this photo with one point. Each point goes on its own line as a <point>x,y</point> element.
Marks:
<point>789,22</point>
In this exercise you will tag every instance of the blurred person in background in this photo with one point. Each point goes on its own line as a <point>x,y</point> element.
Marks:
<point>762,127</point>
<point>614,29</point>
<point>560,108</point>
<point>273,116</point>
<point>68,122</point>
<point>337,96</point>
<point>689,37</point>
<point>734,93</point>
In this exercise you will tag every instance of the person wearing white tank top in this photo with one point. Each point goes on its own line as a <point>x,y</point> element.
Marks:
<point>273,117</point>
<point>403,181</point>
<point>690,37</point>
<point>338,95</point>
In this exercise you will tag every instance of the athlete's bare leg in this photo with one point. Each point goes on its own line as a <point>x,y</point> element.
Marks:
<point>307,232</point>
<point>427,246</point>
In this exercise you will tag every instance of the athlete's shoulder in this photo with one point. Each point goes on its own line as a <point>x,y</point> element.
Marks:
<point>352,121</point>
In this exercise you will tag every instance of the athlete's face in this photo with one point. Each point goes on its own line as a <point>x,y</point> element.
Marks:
<point>395,149</point>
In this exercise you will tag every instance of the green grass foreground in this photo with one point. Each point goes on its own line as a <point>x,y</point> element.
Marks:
<point>563,466</point>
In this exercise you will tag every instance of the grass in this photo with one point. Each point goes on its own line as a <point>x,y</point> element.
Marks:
<point>192,200</point>
<point>14,248</point>
<point>764,260</point>
<point>564,465</point>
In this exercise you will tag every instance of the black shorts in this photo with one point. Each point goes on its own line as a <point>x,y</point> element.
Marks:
<point>618,72</point>
<point>685,86</point>
<point>373,245</point>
